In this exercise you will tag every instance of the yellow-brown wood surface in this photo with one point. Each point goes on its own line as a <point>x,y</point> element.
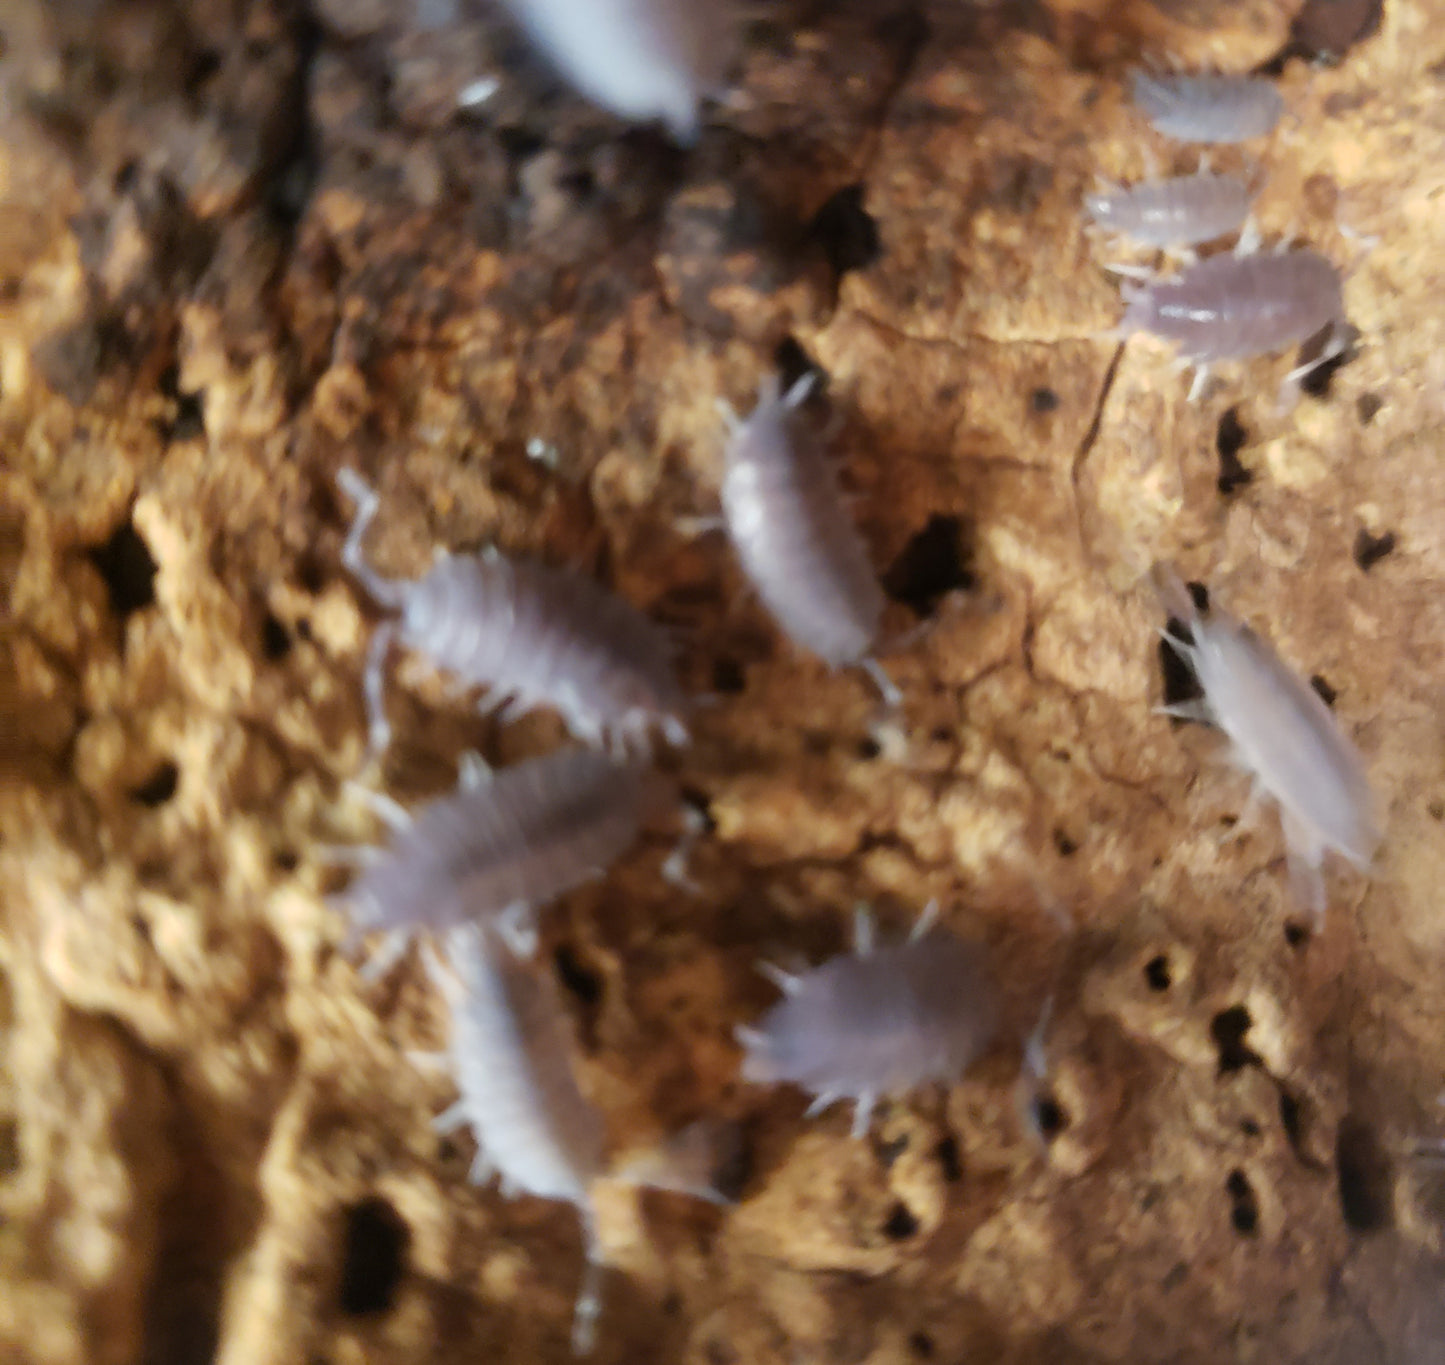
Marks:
<point>243,245</point>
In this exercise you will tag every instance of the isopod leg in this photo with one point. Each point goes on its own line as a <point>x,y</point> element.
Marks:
<point>380,804</point>
<point>675,865</point>
<point>863,934</point>
<point>926,921</point>
<point>373,684</point>
<point>887,689</point>
<point>385,955</point>
<point>451,1118</point>
<point>820,1103</point>
<point>1335,346</point>
<point>1195,710</point>
<point>784,980</point>
<point>517,928</point>
<point>863,1114</point>
<point>589,1300</point>
<point>473,771</point>
<point>388,592</point>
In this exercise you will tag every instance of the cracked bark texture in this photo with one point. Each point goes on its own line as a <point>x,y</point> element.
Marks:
<point>245,244</point>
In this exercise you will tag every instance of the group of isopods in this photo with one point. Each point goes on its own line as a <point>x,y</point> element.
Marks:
<point>471,870</point>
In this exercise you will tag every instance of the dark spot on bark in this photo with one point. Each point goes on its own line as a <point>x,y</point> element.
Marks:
<point>1368,406</point>
<point>727,676</point>
<point>1370,550</point>
<point>1244,1211</point>
<point>159,787</point>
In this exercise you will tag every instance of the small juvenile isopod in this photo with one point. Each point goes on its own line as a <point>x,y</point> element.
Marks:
<point>1182,211</point>
<point>1235,306</point>
<point>510,1054</point>
<point>502,846</point>
<point>877,1021</point>
<point>791,530</point>
<point>1283,735</point>
<point>1208,108</point>
<point>642,59</point>
<point>531,634</point>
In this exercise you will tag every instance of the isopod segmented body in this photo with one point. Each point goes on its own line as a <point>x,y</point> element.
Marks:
<point>1232,307</point>
<point>1183,211</point>
<point>503,845</point>
<point>876,1022</point>
<point>1281,732</point>
<point>1208,108</point>
<point>532,635</point>
<point>798,546</point>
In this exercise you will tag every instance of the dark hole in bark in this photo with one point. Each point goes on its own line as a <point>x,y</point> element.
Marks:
<point>1050,1116</point>
<point>129,572</point>
<point>846,231</point>
<point>1229,1028</point>
<point>1363,1171</point>
<point>934,563</point>
<point>275,639</point>
<point>1229,440</point>
<point>901,1223</point>
<point>159,787</point>
<point>585,985</point>
<point>794,362</point>
<point>373,1258</point>
<point>950,1160</point>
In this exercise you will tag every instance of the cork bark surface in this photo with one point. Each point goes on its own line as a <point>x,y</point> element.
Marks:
<point>244,245</point>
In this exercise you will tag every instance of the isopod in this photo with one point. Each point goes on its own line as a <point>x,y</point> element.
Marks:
<point>1283,735</point>
<point>510,1054</point>
<point>1240,305</point>
<point>642,59</point>
<point>510,1051</point>
<point>531,634</point>
<point>799,548</point>
<point>877,1021</point>
<point>503,845</point>
<point>1208,108</point>
<point>1182,211</point>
